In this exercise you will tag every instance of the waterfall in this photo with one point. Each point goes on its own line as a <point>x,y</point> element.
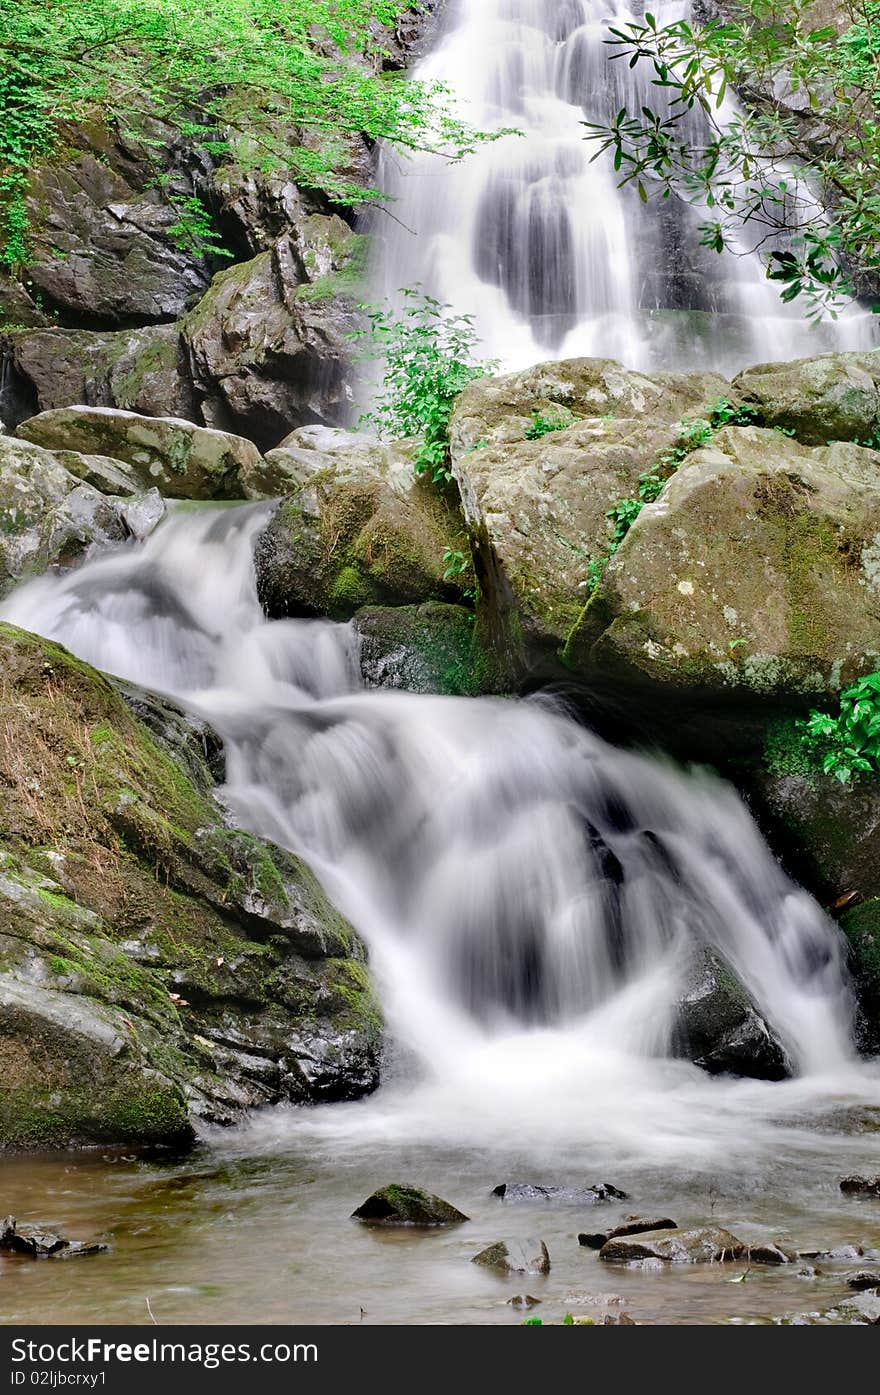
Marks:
<point>518,881</point>
<point>539,243</point>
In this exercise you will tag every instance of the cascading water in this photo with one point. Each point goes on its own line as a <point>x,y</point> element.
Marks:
<point>538,243</point>
<point>530,895</point>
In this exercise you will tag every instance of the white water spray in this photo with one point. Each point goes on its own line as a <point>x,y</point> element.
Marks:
<point>529,894</point>
<point>539,243</point>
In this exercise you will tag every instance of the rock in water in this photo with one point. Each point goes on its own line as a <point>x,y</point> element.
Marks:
<point>403,1205</point>
<point>718,1027</point>
<point>770,1253</point>
<point>703,1245</point>
<point>515,1257</point>
<point>860,1186</point>
<point>634,1226</point>
<point>863,1280</point>
<point>566,1196</point>
<point>43,1244</point>
<point>523,1300</point>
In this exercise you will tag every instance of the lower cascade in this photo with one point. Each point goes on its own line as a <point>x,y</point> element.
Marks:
<point>534,901</point>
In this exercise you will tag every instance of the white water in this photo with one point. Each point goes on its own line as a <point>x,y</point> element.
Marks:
<point>539,244</point>
<point>528,893</point>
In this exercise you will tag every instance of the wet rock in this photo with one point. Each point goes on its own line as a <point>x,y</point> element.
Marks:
<point>566,1196</point>
<point>360,530</point>
<point>515,1257</point>
<point>718,1027</point>
<point>702,1245</point>
<point>605,1320</point>
<point>39,1244</point>
<point>430,648</point>
<point>840,1252</point>
<point>634,1226</point>
<point>523,1300</point>
<point>833,397</point>
<point>156,966</point>
<point>182,460</point>
<point>754,573</point>
<point>864,1279</point>
<point>141,513</point>
<point>768,1252</point>
<point>48,518</point>
<point>403,1205</point>
<point>856,1185</point>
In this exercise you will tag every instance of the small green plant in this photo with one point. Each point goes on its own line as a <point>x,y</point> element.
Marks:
<point>533,1322</point>
<point>193,231</point>
<point>456,563</point>
<point>848,744</point>
<point>724,413</point>
<point>568,1320</point>
<point>430,357</point>
<point>542,424</point>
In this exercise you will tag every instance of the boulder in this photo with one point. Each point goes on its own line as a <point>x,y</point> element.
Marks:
<point>360,530</point>
<point>404,1205</point>
<point>718,1027</point>
<point>515,1257</point>
<point>864,1280</point>
<point>566,1196</point>
<point>182,460</point>
<point>157,968</point>
<point>768,1252</point>
<point>141,513</point>
<point>756,572</point>
<point>634,1226</point>
<point>833,397</point>
<point>430,648</point>
<point>536,508</point>
<point>48,518</point>
<point>101,471</point>
<point>139,370</point>
<point>702,1245</point>
<point>269,345</point>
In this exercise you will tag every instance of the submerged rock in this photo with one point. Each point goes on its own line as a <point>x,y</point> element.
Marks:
<point>634,1226</point>
<point>182,460</point>
<point>856,1185</point>
<point>515,1257</point>
<point>403,1205</point>
<point>567,1196</point>
<point>524,1300</point>
<point>718,1027</point>
<point>156,966</point>
<point>42,1244</point>
<point>702,1245</point>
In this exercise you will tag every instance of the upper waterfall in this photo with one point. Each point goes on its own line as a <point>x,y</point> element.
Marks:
<point>535,239</point>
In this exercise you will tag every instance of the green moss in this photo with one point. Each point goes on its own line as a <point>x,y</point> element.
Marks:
<point>785,752</point>
<point>349,592</point>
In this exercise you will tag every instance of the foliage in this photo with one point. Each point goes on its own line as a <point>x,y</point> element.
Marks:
<point>543,425</point>
<point>849,744</point>
<point>429,357</point>
<point>456,563</point>
<point>749,170</point>
<point>289,80</point>
<point>194,231</point>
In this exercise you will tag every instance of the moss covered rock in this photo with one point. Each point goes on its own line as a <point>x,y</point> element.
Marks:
<point>359,529</point>
<point>48,517</point>
<point>835,397</point>
<point>182,460</point>
<point>156,967</point>
<point>405,1205</point>
<point>756,571</point>
<point>430,648</point>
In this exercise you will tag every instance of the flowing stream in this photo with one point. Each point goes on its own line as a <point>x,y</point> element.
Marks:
<point>530,897</point>
<point>536,240</point>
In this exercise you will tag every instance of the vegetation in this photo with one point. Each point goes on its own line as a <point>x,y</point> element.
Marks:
<point>848,744</point>
<point>294,79</point>
<point>749,170</point>
<point>429,356</point>
<point>543,425</point>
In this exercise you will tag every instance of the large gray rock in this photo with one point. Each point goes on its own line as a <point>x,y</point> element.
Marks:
<point>138,370</point>
<point>702,1245</point>
<point>757,571</point>
<point>718,1027</point>
<point>835,397</point>
<point>48,517</point>
<point>359,530</point>
<point>182,460</point>
<point>156,966</point>
<point>515,1257</point>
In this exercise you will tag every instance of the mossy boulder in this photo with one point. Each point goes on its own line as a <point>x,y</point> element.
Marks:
<point>757,572</point>
<point>430,648</point>
<point>708,1244</point>
<point>408,1206</point>
<point>157,968</point>
<point>833,397</point>
<point>48,517</point>
<point>359,530</point>
<point>182,460</point>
